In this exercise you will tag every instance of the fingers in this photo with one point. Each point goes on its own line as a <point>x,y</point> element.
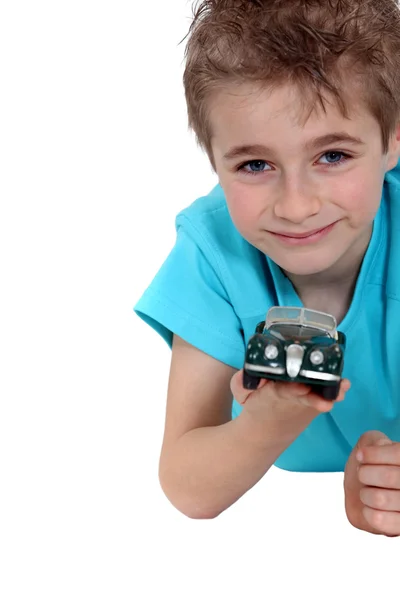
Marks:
<point>283,390</point>
<point>345,385</point>
<point>384,522</point>
<point>380,476</point>
<point>321,405</point>
<point>376,448</point>
<point>371,438</point>
<point>379,472</point>
<point>382,509</point>
<point>317,403</point>
<point>286,391</point>
<point>380,499</point>
<point>388,454</point>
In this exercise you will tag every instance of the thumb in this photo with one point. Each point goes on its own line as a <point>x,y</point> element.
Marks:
<point>239,392</point>
<point>373,438</point>
<point>383,442</point>
<point>369,438</point>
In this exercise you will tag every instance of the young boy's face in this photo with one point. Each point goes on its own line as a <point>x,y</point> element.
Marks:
<point>295,186</point>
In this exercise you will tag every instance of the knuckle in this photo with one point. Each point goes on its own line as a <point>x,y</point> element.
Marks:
<point>377,518</point>
<point>390,477</point>
<point>373,516</point>
<point>373,498</point>
<point>379,499</point>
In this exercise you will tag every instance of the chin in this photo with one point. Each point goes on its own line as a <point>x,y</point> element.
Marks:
<point>305,269</point>
<point>304,265</point>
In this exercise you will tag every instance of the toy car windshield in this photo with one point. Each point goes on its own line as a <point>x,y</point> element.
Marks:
<point>303,322</point>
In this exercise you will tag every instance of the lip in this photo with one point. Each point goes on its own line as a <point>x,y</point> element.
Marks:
<point>299,239</point>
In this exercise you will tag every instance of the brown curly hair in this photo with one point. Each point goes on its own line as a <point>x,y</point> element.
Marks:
<point>318,45</point>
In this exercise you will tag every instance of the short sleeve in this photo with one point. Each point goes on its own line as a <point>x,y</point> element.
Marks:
<point>187,297</point>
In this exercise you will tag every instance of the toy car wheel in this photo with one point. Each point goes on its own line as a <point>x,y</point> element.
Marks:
<point>330,392</point>
<point>250,382</point>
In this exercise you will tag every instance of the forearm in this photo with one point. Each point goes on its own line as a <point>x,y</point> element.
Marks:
<point>210,468</point>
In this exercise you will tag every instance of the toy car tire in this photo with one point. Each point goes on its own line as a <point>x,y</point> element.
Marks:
<point>330,392</point>
<point>250,382</point>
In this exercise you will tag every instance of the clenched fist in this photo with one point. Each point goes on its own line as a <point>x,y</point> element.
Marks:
<point>372,485</point>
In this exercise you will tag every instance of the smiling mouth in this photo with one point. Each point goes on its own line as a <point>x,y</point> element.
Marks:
<point>303,239</point>
<point>302,235</point>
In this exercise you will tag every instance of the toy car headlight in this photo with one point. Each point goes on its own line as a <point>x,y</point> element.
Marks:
<point>316,357</point>
<point>271,351</point>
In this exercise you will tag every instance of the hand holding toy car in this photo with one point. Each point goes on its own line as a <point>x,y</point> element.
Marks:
<point>282,402</point>
<point>296,345</point>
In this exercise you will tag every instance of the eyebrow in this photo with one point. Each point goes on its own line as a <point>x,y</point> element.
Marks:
<point>323,140</point>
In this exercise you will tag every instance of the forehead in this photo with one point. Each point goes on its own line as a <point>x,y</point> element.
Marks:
<point>248,110</point>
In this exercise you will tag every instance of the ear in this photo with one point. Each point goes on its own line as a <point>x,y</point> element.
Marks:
<point>393,154</point>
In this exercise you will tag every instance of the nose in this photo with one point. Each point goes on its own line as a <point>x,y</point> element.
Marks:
<point>296,202</point>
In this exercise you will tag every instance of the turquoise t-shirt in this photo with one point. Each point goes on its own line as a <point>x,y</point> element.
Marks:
<point>214,287</point>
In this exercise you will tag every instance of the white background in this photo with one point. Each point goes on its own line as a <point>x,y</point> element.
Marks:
<point>96,161</point>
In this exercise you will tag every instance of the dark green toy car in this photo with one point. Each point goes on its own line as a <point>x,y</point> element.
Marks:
<point>296,344</point>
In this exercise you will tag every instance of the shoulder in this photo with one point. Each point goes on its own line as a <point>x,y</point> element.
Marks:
<point>208,222</point>
<point>208,219</point>
<point>242,268</point>
<point>384,268</point>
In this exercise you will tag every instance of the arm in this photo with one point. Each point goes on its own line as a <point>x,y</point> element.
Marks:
<point>207,460</point>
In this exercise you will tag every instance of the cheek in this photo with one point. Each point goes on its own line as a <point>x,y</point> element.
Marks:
<point>361,199</point>
<point>245,205</point>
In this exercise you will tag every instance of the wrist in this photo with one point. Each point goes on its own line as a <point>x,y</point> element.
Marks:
<point>279,430</point>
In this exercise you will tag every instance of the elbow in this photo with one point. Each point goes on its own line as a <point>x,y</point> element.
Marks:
<point>189,506</point>
<point>194,512</point>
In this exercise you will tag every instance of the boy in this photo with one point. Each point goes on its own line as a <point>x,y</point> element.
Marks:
<point>296,104</point>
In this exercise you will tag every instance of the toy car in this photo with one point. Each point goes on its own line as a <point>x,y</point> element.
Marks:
<point>296,344</point>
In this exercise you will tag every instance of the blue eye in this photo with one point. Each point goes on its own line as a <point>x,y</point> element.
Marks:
<point>334,153</point>
<point>257,164</point>
<point>257,167</point>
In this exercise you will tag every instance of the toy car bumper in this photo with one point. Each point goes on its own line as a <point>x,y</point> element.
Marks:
<point>258,370</point>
